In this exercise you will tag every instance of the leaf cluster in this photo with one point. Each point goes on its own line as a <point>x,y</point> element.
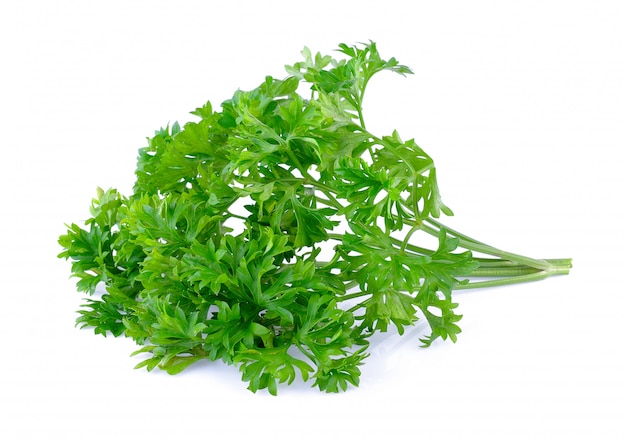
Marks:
<point>265,234</point>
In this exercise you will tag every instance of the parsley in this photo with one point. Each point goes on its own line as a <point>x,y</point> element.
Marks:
<point>277,235</point>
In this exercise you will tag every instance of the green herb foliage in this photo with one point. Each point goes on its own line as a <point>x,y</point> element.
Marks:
<point>278,234</point>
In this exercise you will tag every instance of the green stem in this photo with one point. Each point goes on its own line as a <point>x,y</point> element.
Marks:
<point>405,243</point>
<point>335,236</point>
<point>471,244</point>
<point>361,120</point>
<point>539,275</point>
<point>502,271</point>
<point>507,257</point>
<point>439,225</point>
<point>353,296</point>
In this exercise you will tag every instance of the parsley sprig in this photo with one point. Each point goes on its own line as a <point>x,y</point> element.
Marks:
<point>277,234</point>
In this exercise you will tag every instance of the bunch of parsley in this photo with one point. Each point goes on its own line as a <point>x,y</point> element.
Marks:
<point>277,235</point>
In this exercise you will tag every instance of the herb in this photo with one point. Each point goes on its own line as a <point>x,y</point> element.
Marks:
<point>278,234</point>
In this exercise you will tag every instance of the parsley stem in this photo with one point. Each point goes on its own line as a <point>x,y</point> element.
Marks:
<point>335,236</point>
<point>471,244</point>
<point>502,271</point>
<point>241,217</point>
<point>407,237</point>
<point>539,275</point>
<point>326,190</point>
<point>452,231</point>
<point>353,296</point>
<point>361,119</point>
<point>333,201</point>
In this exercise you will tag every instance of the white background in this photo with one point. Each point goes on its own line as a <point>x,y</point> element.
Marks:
<point>521,104</point>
